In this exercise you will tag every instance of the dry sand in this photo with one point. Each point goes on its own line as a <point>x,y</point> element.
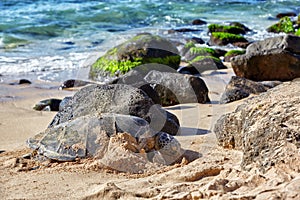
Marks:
<point>216,174</point>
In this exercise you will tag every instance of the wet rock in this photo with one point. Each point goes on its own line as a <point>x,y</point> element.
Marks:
<point>120,99</point>
<point>174,88</point>
<point>140,50</point>
<point>24,81</point>
<point>239,88</point>
<point>285,25</point>
<point>48,105</point>
<point>222,39</point>
<point>275,58</point>
<point>203,63</point>
<point>265,128</point>
<point>199,22</point>
<point>71,83</point>
<point>286,14</point>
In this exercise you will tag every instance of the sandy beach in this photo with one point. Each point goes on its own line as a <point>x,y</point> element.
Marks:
<point>216,174</point>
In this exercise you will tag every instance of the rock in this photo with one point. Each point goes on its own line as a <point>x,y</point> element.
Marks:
<point>24,81</point>
<point>285,25</point>
<point>183,30</point>
<point>174,88</point>
<point>197,40</point>
<point>120,99</point>
<point>203,63</point>
<point>240,25</point>
<point>232,53</point>
<point>48,105</point>
<point>198,22</point>
<point>275,58</point>
<point>286,14</point>
<point>239,88</point>
<point>64,103</point>
<point>265,128</point>
<point>194,52</point>
<point>222,39</point>
<point>226,29</point>
<point>136,79</point>
<point>73,83</point>
<point>141,49</point>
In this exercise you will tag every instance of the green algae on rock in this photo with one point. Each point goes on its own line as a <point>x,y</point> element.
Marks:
<point>285,25</point>
<point>221,38</point>
<point>233,53</point>
<point>141,49</point>
<point>226,29</point>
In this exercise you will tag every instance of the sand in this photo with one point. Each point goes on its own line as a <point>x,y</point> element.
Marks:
<point>216,174</point>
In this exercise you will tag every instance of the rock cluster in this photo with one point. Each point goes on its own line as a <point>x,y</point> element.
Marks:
<point>265,128</point>
<point>275,58</point>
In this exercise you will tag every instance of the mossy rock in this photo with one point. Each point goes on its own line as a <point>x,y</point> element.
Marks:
<point>186,47</point>
<point>222,39</point>
<point>203,63</point>
<point>233,53</point>
<point>141,49</point>
<point>226,29</point>
<point>285,25</point>
<point>194,52</point>
<point>240,25</point>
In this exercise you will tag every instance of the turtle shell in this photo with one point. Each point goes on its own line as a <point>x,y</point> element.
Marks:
<point>88,136</point>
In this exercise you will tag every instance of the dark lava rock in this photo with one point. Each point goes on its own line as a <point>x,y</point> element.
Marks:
<point>119,99</point>
<point>265,128</point>
<point>199,22</point>
<point>275,58</point>
<point>286,14</point>
<point>136,79</point>
<point>74,83</point>
<point>24,81</point>
<point>174,88</point>
<point>239,88</point>
<point>48,105</point>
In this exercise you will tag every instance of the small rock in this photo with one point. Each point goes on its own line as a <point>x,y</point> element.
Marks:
<point>24,81</point>
<point>48,105</point>
<point>199,22</point>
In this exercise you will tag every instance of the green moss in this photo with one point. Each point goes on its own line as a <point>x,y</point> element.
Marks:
<point>199,58</point>
<point>223,28</point>
<point>229,36</point>
<point>189,45</point>
<point>168,60</point>
<point>114,66</point>
<point>202,50</point>
<point>297,32</point>
<point>284,25</point>
<point>234,52</point>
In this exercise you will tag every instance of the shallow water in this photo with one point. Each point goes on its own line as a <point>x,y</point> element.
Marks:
<point>50,37</point>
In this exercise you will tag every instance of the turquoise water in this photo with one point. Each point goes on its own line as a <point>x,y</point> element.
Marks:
<point>51,36</point>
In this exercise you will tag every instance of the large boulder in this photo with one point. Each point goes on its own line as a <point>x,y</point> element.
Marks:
<point>141,49</point>
<point>275,58</point>
<point>265,127</point>
<point>175,88</point>
<point>239,88</point>
<point>120,99</point>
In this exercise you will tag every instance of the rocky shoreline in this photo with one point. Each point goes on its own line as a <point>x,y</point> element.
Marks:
<point>136,123</point>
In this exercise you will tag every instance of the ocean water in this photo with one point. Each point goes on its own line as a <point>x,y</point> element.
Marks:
<point>55,39</point>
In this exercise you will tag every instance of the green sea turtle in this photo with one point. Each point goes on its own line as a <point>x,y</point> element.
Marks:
<point>88,136</point>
